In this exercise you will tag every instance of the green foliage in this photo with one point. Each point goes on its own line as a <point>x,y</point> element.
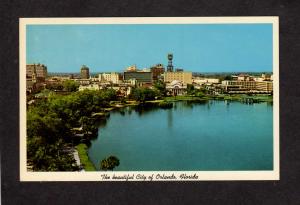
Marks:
<point>84,158</point>
<point>44,93</point>
<point>70,85</point>
<point>49,157</point>
<point>199,94</point>
<point>56,86</point>
<point>190,89</point>
<point>228,77</point>
<point>143,94</point>
<point>49,125</point>
<point>160,88</point>
<point>110,163</point>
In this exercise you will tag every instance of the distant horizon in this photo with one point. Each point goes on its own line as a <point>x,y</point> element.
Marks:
<point>202,48</point>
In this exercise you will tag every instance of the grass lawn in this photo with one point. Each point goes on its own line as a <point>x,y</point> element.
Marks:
<point>84,158</point>
<point>184,97</point>
<point>155,101</point>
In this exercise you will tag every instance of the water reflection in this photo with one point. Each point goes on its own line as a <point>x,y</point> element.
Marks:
<point>170,118</point>
<point>175,106</point>
<point>144,109</point>
<point>227,103</point>
<point>189,104</point>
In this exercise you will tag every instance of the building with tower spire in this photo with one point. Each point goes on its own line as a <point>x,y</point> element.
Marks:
<point>33,76</point>
<point>170,63</point>
<point>178,75</point>
<point>84,72</point>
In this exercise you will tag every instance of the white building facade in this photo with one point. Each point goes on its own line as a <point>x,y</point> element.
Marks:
<point>176,87</point>
<point>109,77</point>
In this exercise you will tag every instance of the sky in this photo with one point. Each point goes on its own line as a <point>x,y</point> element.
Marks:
<point>113,47</point>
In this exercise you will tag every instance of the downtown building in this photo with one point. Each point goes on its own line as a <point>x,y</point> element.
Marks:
<point>112,77</point>
<point>266,86</point>
<point>183,76</point>
<point>239,86</point>
<point>84,72</point>
<point>176,87</point>
<point>157,70</point>
<point>37,71</point>
<point>36,75</point>
<point>141,77</point>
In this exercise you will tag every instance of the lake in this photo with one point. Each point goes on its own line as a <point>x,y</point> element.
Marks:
<point>212,136</point>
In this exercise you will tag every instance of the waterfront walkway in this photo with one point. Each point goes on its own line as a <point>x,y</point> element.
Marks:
<point>77,159</point>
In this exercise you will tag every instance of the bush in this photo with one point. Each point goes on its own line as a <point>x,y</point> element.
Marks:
<point>110,163</point>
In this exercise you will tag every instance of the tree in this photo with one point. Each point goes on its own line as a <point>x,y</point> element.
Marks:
<point>70,85</point>
<point>228,77</point>
<point>49,124</point>
<point>56,86</point>
<point>190,89</point>
<point>110,163</point>
<point>200,94</point>
<point>143,94</point>
<point>161,88</point>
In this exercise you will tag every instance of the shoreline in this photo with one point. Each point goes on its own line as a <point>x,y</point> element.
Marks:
<point>85,162</point>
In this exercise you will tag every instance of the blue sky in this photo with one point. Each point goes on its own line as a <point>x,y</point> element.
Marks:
<point>196,47</point>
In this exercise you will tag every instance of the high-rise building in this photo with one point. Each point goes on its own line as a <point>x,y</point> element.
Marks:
<point>185,77</point>
<point>38,70</point>
<point>170,63</point>
<point>110,77</point>
<point>84,72</point>
<point>157,70</point>
<point>139,76</point>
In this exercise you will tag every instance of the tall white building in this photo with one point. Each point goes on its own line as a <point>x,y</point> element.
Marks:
<point>109,77</point>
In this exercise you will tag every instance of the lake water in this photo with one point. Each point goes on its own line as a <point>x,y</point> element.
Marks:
<point>213,136</point>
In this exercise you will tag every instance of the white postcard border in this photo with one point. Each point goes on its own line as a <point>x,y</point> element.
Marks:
<point>149,175</point>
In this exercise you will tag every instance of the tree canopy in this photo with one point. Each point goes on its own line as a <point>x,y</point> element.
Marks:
<point>109,163</point>
<point>70,85</point>
<point>190,89</point>
<point>49,124</point>
<point>161,88</point>
<point>143,94</point>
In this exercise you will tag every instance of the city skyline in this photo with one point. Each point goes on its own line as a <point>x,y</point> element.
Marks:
<point>197,47</point>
